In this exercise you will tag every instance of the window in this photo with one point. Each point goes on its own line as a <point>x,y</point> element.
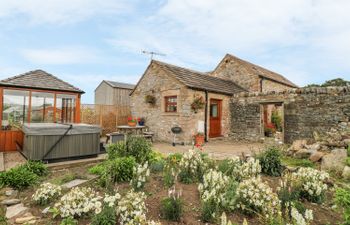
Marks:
<point>65,111</point>
<point>171,104</point>
<point>15,108</point>
<point>42,107</point>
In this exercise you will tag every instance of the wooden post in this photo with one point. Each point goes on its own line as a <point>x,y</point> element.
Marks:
<point>77,109</point>
<point>1,105</point>
<point>29,107</point>
<point>54,108</point>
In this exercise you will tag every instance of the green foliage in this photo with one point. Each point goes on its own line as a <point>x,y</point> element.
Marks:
<point>116,150</point>
<point>171,208</point>
<point>118,170</point>
<point>69,221</point>
<point>270,161</point>
<point>338,82</point>
<point>171,168</point>
<point>347,161</point>
<point>224,166</point>
<point>231,195</point>
<point>19,178</point>
<point>348,150</point>
<point>174,158</point>
<point>210,211</point>
<point>342,199</point>
<point>138,147</point>
<point>37,167</point>
<point>290,161</point>
<point>169,177</point>
<point>3,219</point>
<point>157,166</point>
<point>276,119</point>
<point>97,169</point>
<point>106,217</point>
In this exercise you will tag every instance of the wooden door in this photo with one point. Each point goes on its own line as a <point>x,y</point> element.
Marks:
<point>215,118</point>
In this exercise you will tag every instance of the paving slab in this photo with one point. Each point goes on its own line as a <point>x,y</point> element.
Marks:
<point>73,183</point>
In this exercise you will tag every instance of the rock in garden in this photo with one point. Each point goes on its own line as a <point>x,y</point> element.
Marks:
<point>315,147</point>
<point>303,153</point>
<point>11,192</point>
<point>316,156</point>
<point>9,202</point>
<point>15,210</point>
<point>46,210</point>
<point>346,173</point>
<point>334,161</point>
<point>26,219</point>
<point>298,145</point>
<point>74,183</point>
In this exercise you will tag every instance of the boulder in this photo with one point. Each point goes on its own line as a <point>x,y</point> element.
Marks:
<point>15,210</point>
<point>346,173</point>
<point>334,161</point>
<point>298,145</point>
<point>315,147</point>
<point>11,192</point>
<point>304,153</point>
<point>316,156</point>
<point>9,202</point>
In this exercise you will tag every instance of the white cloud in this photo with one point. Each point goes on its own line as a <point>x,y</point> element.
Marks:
<point>58,11</point>
<point>57,56</point>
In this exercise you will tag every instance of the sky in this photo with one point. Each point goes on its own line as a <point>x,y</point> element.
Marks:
<point>86,41</point>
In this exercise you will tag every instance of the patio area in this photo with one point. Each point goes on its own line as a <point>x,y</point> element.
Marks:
<point>216,149</point>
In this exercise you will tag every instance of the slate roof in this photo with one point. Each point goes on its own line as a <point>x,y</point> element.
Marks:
<point>260,71</point>
<point>39,79</point>
<point>199,80</point>
<point>120,85</point>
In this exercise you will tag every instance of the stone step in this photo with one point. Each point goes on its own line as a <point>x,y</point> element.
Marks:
<point>74,183</point>
<point>9,202</point>
<point>16,210</point>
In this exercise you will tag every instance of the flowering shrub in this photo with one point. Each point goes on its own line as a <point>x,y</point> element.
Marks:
<point>300,219</point>
<point>255,196</point>
<point>241,170</point>
<point>131,208</point>
<point>213,186</point>
<point>78,202</point>
<point>191,166</point>
<point>141,172</point>
<point>171,207</point>
<point>46,192</point>
<point>311,182</point>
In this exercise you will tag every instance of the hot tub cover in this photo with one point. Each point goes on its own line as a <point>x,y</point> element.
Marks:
<point>59,129</point>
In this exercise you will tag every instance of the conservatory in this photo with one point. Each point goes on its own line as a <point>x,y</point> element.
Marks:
<point>34,97</point>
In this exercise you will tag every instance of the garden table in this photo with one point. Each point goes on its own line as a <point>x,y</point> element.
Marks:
<point>125,129</point>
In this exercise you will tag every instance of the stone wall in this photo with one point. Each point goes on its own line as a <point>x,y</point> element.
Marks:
<point>305,110</point>
<point>269,85</point>
<point>157,83</point>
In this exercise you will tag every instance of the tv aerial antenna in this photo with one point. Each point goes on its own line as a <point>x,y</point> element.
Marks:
<point>152,53</point>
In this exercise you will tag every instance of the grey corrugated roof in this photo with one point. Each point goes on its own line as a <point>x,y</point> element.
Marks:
<point>120,85</point>
<point>201,81</point>
<point>41,80</point>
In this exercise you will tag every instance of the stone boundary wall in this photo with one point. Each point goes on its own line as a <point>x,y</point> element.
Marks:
<point>305,110</point>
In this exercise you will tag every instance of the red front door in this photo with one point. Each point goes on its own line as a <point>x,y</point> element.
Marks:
<point>215,118</point>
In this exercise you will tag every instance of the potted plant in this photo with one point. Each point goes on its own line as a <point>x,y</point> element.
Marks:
<point>132,122</point>
<point>197,104</point>
<point>141,121</point>
<point>150,99</point>
<point>199,139</point>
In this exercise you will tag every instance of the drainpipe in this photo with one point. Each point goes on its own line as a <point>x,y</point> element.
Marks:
<point>206,117</point>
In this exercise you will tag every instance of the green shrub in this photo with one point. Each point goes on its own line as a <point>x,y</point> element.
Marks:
<point>106,217</point>
<point>270,161</point>
<point>19,178</point>
<point>276,119</point>
<point>118,170</point>
<point>171,208</point>
<point>348,150</point>
<point>97,169</point>
<point>116,150</point>
<point>169,177</point>
<point>209,211</point>
<point>157,166</point>
<point>37,167</point>
<point>138,147</point>
<point>224,166</point>
<point>342,199</point>
<point>69,221</point>
<point>348,161</point>
<point>174,158</point>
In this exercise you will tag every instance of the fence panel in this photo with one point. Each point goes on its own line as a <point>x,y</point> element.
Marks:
<point>106,116</point>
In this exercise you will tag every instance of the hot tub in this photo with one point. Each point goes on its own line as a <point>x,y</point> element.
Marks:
<point>53,142</point>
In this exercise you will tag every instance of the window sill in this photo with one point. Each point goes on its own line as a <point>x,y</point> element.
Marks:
<point>170,114</point>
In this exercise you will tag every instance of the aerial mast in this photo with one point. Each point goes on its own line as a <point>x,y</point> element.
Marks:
<point>152,53</point>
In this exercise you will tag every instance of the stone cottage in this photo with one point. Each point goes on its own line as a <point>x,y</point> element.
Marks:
<point>168,95</point>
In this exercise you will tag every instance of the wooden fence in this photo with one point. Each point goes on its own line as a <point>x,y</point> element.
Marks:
<point>106,116</point>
